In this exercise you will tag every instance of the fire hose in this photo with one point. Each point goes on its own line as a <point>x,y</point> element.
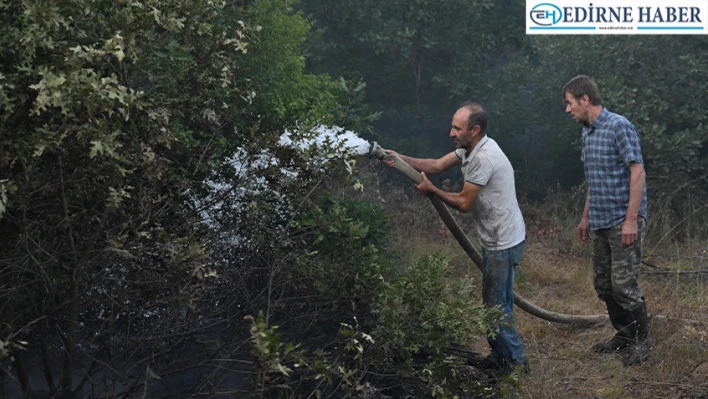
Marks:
<point>579,320</point>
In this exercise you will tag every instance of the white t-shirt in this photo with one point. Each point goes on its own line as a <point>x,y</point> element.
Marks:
<point>498,221</point>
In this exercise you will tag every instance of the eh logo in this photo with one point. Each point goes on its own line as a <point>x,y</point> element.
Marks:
<point>546,14</point>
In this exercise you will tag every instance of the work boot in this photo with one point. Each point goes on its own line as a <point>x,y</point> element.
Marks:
<point>639,351</point>
<point>624,337</point>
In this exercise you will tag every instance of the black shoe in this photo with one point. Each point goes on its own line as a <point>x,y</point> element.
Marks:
<point>614,345</point>
<point>639,352</point>
<point>625,327</point>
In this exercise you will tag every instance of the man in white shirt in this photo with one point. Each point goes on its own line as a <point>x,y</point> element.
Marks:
<point>489,195</point>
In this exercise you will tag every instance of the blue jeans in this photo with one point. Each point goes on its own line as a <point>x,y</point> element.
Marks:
<point>498,290</point>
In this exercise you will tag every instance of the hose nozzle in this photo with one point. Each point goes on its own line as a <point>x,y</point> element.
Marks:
<point>376,151</point>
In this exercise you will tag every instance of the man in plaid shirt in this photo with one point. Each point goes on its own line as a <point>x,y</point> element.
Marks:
<point>615,215</point>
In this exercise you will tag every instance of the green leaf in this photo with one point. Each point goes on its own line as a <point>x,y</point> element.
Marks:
<point>96,148</point>
<point>39,150</point>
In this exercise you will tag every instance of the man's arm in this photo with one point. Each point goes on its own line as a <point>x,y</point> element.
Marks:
<point>461,201</point>
<point>427,165</point>
<point>583,229</point>
<point>636,194</point>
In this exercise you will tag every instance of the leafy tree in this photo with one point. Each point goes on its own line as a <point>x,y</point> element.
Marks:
<point>420,59</point>
<point>113,114</point>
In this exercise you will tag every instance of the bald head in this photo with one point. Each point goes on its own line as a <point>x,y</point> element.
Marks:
<point>477,116</point>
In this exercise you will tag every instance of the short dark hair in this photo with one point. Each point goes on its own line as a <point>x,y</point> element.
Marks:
<point>582,85</point>
<point>478,116</point>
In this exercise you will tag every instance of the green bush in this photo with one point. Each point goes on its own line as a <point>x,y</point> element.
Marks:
<point>422,311</point>
<point>343,240</point>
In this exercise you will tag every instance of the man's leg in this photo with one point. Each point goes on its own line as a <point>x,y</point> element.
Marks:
<point>498,290</point>
<point>602,281</point>
<point>626,264</point>
<point>601,263</point>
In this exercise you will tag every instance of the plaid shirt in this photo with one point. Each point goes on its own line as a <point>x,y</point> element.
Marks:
<point>610,145</point>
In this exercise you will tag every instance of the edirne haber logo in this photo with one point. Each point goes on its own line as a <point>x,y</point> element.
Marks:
<point>620,17</point>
